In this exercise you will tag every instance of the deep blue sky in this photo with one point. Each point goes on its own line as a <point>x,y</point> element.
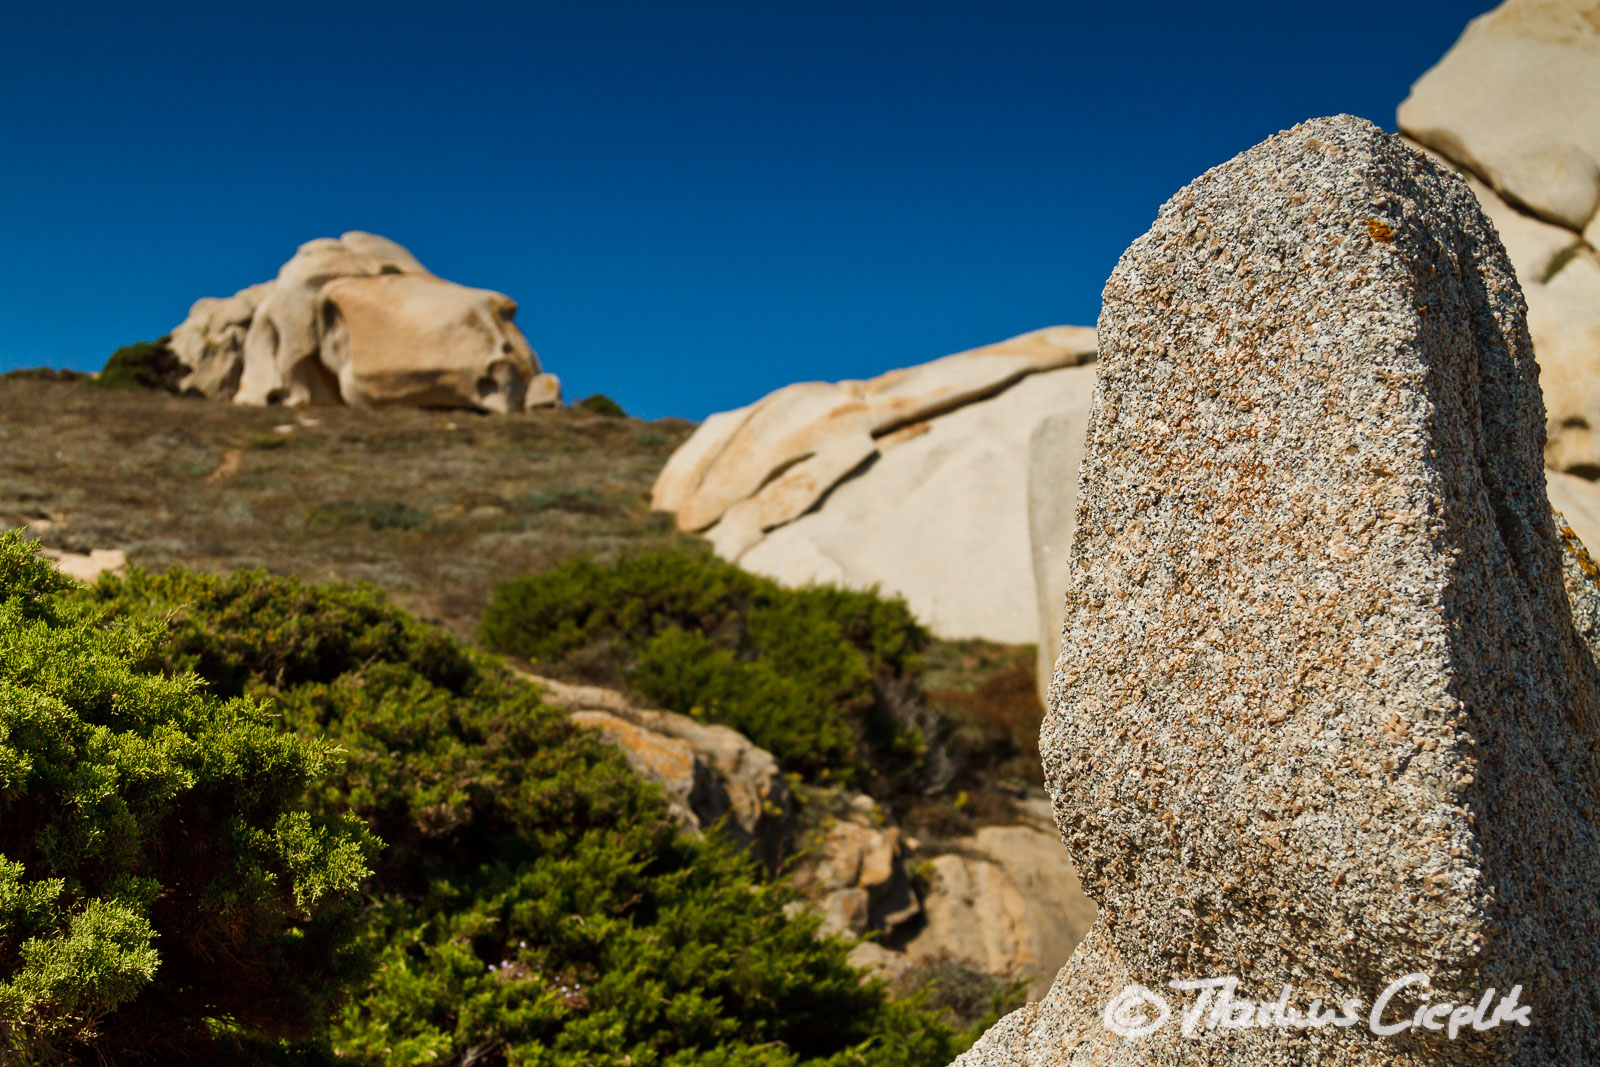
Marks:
<point>693,202</point>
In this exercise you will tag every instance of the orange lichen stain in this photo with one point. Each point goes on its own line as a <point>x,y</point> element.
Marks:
<point>1380,230</point>
<point>1574,545</point>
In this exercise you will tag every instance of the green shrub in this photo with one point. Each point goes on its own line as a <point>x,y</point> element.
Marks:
<point>145,365</point>
<point>163,886</point>
<point>690,673</point>
<point>537,903</point>
<point>249,631</point>
<point>373,514</point>
<point>600,404</point>
<point>817,676</point>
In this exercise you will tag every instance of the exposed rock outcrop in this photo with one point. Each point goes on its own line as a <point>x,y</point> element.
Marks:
<point>855,871</point>
<point>1515,104</point>
<point>852,869</point>
<point>1321,717</point>
<point>712,773</point>
<point>210,342</point>
<point>1006,900</point>
<point>87,566</point>
<point>938,512</point>
<point>1517,100</point>
<point>358,320</point>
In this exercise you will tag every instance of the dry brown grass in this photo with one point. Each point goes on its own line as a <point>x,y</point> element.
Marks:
<point>434,507</point>
<point>989,688</point>
<point>984,696</point>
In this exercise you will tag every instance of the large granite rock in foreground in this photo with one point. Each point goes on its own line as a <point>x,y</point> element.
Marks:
<point>910,481</point>
<point>1515,104</point>
<point>1321,719</point>
<point>360,321</point>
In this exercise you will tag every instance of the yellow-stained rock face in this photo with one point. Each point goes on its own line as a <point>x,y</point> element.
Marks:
<point>711,772</point>
<point>358,320</point>
<point>660,758</point>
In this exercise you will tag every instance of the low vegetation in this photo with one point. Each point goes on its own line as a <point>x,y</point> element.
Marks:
<point>530,900</point>
<point>145,365</point>
<point>373,514</point>
<point>434,507</point>
<point>600,404</point>
<point>169,887</point>
<point>844,687</point>
<point>820,677</point>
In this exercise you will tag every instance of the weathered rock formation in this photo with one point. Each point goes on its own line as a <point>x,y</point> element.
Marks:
<point>1516,101</point>
<point>712,773</point>
<point>1515,104</point>
<point>359,321</point>
<point>87,566</point>
<point>1321,717</point>
<point>919,485</point>
<point>1007,900</point>
<point>854,870</point>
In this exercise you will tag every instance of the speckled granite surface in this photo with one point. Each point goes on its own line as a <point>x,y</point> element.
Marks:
<point>1322,718</point>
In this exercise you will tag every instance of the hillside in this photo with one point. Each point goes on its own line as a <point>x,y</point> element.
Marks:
<point>434,507</point>
<point>438,509</point>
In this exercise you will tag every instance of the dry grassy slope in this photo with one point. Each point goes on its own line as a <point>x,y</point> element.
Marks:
<point>435,507</point>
